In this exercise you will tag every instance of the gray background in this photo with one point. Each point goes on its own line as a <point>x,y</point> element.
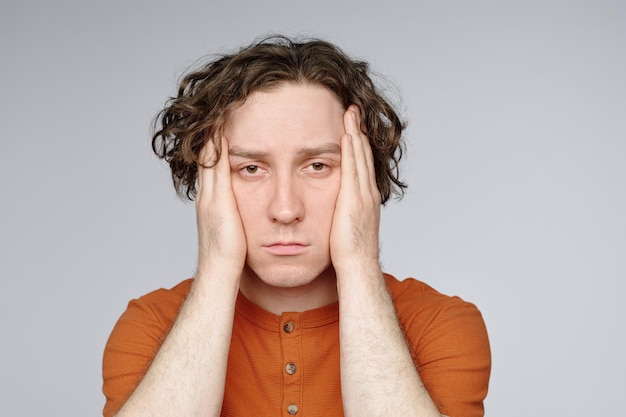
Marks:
<point>515,163</point>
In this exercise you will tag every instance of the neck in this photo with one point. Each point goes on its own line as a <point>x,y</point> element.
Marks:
<point>277,300</point>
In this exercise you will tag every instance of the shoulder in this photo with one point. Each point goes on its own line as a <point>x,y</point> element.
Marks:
<point>163,303</point>
<point>440,328</point>
<point>416,300</point>
<point>147,318</point>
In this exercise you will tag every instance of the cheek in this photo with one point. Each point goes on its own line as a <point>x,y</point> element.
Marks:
<point>322,203</point>
<point>248,203</point>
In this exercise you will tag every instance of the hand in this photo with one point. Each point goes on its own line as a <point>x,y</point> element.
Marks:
<point>221,238</point>
<point>354,232</point>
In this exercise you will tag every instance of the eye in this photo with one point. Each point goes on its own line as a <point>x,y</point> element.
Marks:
<point>317,166</point>
<point>251,169</point>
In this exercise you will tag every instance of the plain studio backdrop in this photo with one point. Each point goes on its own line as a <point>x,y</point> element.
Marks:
<point>515,162</point>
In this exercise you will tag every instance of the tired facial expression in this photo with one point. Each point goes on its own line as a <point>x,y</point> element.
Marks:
<point>284,150</point>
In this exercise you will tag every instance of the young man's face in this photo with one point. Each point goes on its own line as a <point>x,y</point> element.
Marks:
<point>285,167</point>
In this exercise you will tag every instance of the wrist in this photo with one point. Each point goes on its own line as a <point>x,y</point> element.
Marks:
<point>211,275</point>
<point>360,276</point>
<point>358,266</point>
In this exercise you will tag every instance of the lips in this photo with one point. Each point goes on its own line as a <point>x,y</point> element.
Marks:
<point>286,248</point>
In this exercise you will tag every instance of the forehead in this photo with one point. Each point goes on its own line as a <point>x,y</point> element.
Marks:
<point>296,111</point>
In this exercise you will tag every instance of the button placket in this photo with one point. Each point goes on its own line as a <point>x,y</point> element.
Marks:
<point>290,335</point>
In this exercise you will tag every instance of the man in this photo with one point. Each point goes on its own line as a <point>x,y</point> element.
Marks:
<point>288,150</point>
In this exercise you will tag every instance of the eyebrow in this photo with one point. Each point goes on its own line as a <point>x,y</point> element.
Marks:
<point>246,153</point>
<point>319,150</point>
<point>331,148</point>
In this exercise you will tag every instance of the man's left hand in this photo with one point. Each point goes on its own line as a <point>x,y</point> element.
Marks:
<point>354,232</point>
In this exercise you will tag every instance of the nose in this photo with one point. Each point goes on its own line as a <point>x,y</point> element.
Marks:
<point>286,206</point>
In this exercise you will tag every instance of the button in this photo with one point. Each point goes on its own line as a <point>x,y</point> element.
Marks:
<point>290,368</point>
<point>292,409</point>
<point>288,327</point>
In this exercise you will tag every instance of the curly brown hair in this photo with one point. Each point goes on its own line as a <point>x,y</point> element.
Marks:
<point>208,95</point>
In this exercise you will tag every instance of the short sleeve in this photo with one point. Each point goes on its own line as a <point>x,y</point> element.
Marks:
<point>134,341</point>
<point>450,347</point>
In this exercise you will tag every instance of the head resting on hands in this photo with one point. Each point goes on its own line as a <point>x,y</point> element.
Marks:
<point>209,94</point>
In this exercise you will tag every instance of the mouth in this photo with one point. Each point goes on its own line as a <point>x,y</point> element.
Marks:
<point>286,248</point>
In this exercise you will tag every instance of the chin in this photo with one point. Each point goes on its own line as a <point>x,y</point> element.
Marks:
<point>288,276</point>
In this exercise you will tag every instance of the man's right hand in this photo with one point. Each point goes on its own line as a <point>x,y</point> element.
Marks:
<point>221,238</point>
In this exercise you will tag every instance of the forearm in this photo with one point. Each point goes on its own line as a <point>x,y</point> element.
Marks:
<point>378,377</point>
<point>187,375</point>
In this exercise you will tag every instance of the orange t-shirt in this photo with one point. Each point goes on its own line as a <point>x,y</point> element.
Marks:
<point>278,364</point>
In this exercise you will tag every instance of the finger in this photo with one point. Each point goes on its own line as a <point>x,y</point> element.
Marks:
<point>206,174</point>
<point>359,142</point>
<point>222,168</point>
<point>349,174</point>
<point>367,149</point>
<point>369,155</point>
<point>351,121</point>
